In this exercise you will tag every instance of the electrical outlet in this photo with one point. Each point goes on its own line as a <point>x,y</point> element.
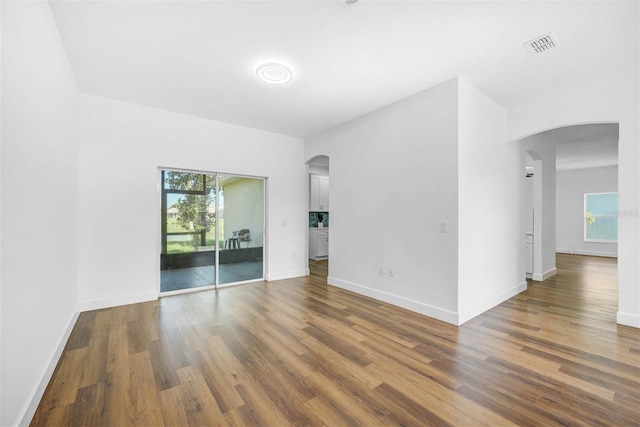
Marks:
<point>381,269</point>
<point>391,272</point>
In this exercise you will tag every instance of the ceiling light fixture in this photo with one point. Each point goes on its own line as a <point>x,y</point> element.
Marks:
<point>274,73</point>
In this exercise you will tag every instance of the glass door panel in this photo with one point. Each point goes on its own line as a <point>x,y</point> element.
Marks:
<point>241,229</point>
<point>188,227</point>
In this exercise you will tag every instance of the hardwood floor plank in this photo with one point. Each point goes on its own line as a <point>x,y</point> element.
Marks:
<point>408,406</point>
<point>382,331</point>
<point>282,384</point>
<point>443,402</point>
<point>143,404</point>
<point>383,357</point>
<point>339,345</point>
<point>89,405</point>
<point>345,404</point>
<point>167,356</point>
<point>69,373</point>
<point>118,344</point>
<point>329,414</point>
<point>301,352</point>
<point>81,333</point>
<point>137,336</point>
<point>259,408</point>
<point>324,359</point>
<point>220,383</point>
<point>94,372</point>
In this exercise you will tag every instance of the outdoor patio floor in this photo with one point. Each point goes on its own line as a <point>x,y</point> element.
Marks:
<point>197,277</point>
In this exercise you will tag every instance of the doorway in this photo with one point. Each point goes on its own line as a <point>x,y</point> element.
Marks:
<point>212,230</point>
<point>319,212</point>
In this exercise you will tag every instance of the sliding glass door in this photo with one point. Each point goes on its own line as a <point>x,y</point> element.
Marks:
<point>212,230</point>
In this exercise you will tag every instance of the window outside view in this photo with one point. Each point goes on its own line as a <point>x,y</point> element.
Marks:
<point>601,217</point>
<point>191,212</point>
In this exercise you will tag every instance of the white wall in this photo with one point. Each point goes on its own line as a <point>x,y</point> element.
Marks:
<point>571,185</point>
<point>123,145</point>
<point>614,98</point>
<point>491,195</point>
<point>39,205</point>
<point>440,155</point>
<point>243,201</point>
<point>393,179</point>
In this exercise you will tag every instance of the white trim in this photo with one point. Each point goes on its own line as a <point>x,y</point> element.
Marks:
<point>589,253</point>
<point>31,404</point>
<point>544,276</point>
<point>491,302</point>
<point>101,303</point>
<point>628,319</point>
<point>400,301</point>
<point>186,291</point>
<point>243,282</point>
<point>286,275</point>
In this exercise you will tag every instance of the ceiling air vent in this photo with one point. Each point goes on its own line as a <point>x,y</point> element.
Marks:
<point>541,44</point>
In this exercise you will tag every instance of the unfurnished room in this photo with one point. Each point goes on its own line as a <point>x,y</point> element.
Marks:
<point>319,213</point>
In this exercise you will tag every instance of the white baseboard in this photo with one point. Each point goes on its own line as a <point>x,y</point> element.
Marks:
<point>29,409</point>
<point>98,304</point>
<point>417,306</point>
<point>286,274</point>
<point>590,253</point>
<point>629,319</point>
<point>489,303</point>
<point>544,276</point>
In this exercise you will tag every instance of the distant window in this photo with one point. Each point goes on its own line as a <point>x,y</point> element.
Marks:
<point>601,217</point>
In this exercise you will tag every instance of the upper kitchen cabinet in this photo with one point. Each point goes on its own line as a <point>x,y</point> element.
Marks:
<point>319,193</point>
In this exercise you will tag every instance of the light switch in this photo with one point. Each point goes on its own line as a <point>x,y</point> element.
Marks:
<point>444,227</point>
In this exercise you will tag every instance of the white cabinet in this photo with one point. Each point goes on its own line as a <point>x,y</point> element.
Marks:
<point>318,243</point>
<point>319,193</point>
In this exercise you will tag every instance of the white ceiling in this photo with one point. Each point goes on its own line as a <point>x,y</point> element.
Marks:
<point>199,57</point>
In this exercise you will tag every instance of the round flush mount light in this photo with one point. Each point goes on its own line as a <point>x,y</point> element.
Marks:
<point>274,73</point>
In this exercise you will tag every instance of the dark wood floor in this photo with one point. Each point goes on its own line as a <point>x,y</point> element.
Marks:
<point>300,352</point>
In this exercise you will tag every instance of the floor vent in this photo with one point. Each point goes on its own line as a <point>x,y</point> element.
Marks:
<point>542,44</point>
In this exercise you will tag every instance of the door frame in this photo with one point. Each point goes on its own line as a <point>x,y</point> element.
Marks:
<point>159,237</point>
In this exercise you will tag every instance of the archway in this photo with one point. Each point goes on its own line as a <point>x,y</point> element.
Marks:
<point>580,148</point>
